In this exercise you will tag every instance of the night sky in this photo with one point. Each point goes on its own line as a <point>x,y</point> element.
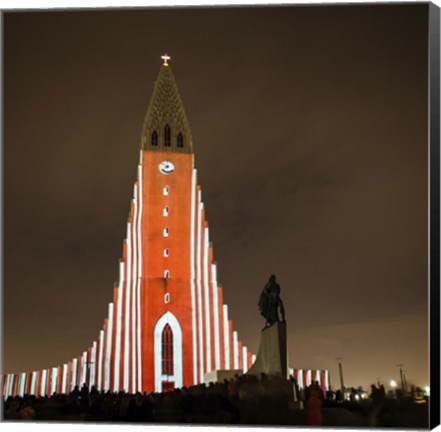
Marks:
<point>310,136</point>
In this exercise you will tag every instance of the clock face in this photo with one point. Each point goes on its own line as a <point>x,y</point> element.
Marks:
<point>166,167</point>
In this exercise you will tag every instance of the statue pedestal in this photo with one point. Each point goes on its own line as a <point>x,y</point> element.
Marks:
<point>272,358</point>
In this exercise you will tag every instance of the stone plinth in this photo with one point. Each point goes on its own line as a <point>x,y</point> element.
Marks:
<point>221,375</point>
<point>272,358</point>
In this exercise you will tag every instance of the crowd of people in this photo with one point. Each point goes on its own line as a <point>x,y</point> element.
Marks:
<point>241,400</point>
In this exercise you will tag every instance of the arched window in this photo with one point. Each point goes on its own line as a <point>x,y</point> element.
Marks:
<point>167,350</point>
<point>154,138</point>
<point>180,140</point>
<point>167,135</point>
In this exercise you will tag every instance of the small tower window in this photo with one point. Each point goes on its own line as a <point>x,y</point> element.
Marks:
<point>165,211</point>
<point>167,135</point>
<point>166,252</point>
<point>154,138</point>
<point>166,297</point>
<point>165,232</point>
<point>165,191</point>
<point>180,140</point>
<point>166,274</point>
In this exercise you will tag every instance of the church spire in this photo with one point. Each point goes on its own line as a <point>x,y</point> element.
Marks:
<point>165,126</point>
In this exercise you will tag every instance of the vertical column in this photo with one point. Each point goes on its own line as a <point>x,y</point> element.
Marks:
<point>300,378</point>
<point>117,365</point>
<point>100,361</point>
<point>138,290</point>
<point>134,285</point>
<point>73,380</point>
<point>220,302</point>
<point>127,311</point>
<point>33,383</point>
<point>93,365</point>
<point>22,384</point>
<point>199,288</point>
<point>239,354</point>
<point>235,350</point>
<point>83,378</point>
<point>49,382</point>
<point>245,359</point>
<point>226,338</point>
<point>230,331</point>
<point>192,275</point>
<point>64,385</point>
<point>308,377</point>
<point>54,380</point>
<point>14,385</point>
<point>215,317</point>
<point>43,382</point>
<point>207,302</point>
<point>108,353</point>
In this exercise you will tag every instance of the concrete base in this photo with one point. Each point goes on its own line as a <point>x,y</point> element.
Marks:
<point>221,375</point>
<point>272,358</point>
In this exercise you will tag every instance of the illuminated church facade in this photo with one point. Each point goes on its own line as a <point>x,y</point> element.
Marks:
<point>167,325</point>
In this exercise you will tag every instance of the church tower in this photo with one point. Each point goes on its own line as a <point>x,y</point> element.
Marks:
<point>167,326</point>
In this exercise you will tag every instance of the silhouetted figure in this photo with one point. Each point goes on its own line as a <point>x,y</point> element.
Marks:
<point>313,404</point>
<point>377,398</point>
<point>270,302</point>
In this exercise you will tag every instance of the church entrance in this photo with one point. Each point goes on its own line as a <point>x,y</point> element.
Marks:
<point>168,353</point>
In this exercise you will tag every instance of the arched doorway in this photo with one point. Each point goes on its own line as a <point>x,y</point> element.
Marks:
<point>168,353</point>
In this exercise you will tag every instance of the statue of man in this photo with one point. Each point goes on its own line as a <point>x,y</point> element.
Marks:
<point>270,302</point>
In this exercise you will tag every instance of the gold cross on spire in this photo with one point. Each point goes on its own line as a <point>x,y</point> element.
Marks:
<point>165,57</point>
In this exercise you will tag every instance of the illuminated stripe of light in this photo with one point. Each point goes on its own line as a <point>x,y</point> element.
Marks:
<point>235,350</point>
<point>108,349</point>
<point>253,358</point>
<point>54,380</point>
<point>100,361</point>
<point>245,359</point>
<point>138,291</point>
<point>73,381</point>
<point>226,337</point>
<point>33,383</point>
<point>8,385</point>
<point>308,377</point>
<point>134,287</point>
<point>118,327</point>
<point>192,271</point>
<point>199,289</point>
<point>326,380</point>
<point>43,382</point>
<point>216,317</point>
<point>207,302</point>
<point>300,378</point>
<point>83,369</point>
<point>22,384</point>
<point>93,361</point>
<point>127,312</point>
<point>64,382</point>
<point>317,376</point>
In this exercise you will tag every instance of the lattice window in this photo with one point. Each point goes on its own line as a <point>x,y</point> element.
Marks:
<point>167,136</point>
<point>167,350</point>
<point>180,140</point>
<point>154,138</point>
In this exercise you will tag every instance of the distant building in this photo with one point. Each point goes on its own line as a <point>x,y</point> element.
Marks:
<point>167,325</point>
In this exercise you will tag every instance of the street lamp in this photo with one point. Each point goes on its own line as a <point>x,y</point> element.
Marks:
<point>340,369</point>
<point>393,384</point>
